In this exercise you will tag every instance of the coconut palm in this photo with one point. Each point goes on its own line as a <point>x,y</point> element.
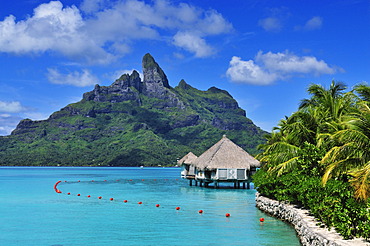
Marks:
<point>289,141</point>
<point>364,91</point>
<point>351,154</point>
<point>310,125</point>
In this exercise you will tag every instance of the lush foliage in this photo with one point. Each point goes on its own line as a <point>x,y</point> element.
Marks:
<point>333,205</point>
<point>128,134</point>
<point>319,158</point>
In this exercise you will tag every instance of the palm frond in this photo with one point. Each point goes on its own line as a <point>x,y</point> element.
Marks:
<point>364,91</point>
<point>361,182</point>
<point>330,170</point>
<point>355,136</point>
<point>285,166</point>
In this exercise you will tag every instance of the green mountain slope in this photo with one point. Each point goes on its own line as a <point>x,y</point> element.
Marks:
<point>130,123</point>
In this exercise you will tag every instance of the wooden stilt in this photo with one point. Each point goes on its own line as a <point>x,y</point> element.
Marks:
<point>191,182</point>
<point>248,185</point>
<point>243,185</point>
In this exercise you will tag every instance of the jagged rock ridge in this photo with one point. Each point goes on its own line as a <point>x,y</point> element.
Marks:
<point>128,87</point>
<point>132,122</point>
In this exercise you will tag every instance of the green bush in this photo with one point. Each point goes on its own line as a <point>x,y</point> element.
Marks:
<point>333,204</point>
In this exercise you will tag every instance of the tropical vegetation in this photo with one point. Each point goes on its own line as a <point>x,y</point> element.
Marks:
<point>319,158</point>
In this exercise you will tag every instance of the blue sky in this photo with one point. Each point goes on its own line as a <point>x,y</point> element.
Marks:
<point>264,52</point>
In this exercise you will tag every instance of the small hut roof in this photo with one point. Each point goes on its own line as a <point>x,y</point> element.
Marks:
<point>225,154</point>
<point>187,159</point>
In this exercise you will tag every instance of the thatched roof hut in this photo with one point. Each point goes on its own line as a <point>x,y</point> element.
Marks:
<point>188,170</point>
<point>187,159</point>
<point>225,154</point>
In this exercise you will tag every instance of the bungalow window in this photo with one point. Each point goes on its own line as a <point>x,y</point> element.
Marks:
<point>222,174</point>
<point>240,174</point>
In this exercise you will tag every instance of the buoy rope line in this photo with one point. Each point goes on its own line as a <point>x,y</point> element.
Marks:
<point>125,201</point>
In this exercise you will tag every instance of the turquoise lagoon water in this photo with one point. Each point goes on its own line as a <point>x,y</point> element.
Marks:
<point>32,213</point>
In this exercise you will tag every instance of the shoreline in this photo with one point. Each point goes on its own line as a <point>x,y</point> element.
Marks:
<point>308,231</point>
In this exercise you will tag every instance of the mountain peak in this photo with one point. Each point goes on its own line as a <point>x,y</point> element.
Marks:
<point>148,61</point>
<point>154,77</point>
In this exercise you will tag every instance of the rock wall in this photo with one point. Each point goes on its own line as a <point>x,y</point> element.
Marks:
<point>305,225</point>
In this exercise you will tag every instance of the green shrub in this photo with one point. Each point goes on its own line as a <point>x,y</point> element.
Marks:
<point>333,204</point>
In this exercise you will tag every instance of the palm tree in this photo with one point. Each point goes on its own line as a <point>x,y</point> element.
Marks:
<point>329,133</point>
<point>289,142</point>
<point>333,104</point>
<point>351,154</point>
<point>364,91</point>
<point>309,127</point>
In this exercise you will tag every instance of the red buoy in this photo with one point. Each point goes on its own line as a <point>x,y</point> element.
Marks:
<point>140,203</point>
<point>58,191</point>
<point>124,201</point>
<point>78,194</point>
<point>177,208</point>
<point>262,219</point>
<point>88,196</point>
<point>227,215</point>
<point>68,193</point>
<point>99,197</point>
<point>157,205</point>
<point>200,211</point>
<point>56,184</point>
<point>111,199</point>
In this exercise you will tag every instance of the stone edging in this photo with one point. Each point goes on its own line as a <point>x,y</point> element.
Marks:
<point>304,224</point>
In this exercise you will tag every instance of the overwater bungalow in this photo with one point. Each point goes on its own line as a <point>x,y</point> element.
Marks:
<point>223,162</point>
<point>187,169</point>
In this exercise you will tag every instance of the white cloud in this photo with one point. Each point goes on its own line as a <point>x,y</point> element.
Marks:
<point>248,72</point>
<point>90,6</point>
<point>213,23</point>
<point>108,29</point>
<point>8,123</point>
<point>193,43</point>
<point>270,67</point>
<point>11,107</point>
<point>313,23</point>
<point>81,79</point>
<point>288,63</point>
<point>271,24</point>
<point>51,28</point>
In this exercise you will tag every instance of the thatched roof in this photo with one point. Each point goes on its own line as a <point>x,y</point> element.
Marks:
<point>187,159</point>
<point>225,154</point>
